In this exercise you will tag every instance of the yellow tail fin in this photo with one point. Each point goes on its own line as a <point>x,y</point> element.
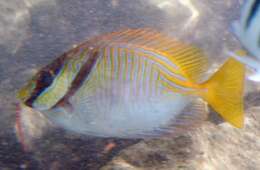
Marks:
<point>225,92</point>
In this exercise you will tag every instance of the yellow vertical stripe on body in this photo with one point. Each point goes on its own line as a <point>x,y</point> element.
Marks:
<point>105,58</point>
<point>122,64</point>
<point>139,74</point>
<point>145,74</point>
<point>131,53</point>
<point>130,69</point>
<point>119,58</point>
<point>157,82</point>
<point>126,64</point>
<point>119,75</point>
<point>111,56</point>
<point>151,80</point>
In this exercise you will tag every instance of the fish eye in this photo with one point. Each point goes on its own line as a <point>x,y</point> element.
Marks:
<point>45,78</point>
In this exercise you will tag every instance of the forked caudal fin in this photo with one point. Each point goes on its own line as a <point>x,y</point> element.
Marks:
<point>225,92</point>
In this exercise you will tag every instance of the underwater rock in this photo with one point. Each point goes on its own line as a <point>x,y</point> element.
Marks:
<point>210,147</point>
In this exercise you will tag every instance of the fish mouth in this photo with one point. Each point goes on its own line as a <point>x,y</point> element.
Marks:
<point>26,91</point>
<point>22,96</point>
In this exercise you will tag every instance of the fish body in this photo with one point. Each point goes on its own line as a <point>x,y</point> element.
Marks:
<point>133,83</point>
<point>247,30</point>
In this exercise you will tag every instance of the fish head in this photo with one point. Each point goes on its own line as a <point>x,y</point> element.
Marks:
<point>46,87</point>
<point>33,92</point>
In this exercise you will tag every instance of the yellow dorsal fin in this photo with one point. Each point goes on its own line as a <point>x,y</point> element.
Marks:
<point>190,59</point>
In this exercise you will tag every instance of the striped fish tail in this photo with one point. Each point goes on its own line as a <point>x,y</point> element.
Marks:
<point>225,92</point>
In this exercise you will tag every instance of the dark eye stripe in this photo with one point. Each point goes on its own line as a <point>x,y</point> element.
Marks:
<point>253,11</point>
<point>45,78</point>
